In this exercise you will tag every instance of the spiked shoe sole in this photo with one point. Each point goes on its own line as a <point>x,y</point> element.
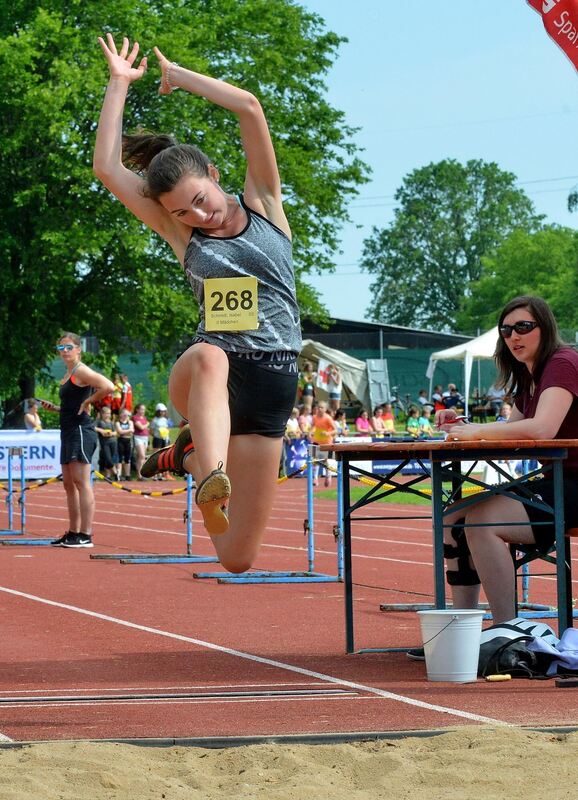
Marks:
<point>212,497</point>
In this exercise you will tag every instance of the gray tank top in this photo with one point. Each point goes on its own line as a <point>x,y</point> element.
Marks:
<point>262,251</point>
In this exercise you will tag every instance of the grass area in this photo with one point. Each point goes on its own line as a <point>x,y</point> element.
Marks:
<point>357,492</point>
<point>405,498</point>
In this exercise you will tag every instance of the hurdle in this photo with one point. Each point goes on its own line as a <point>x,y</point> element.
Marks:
<point>14,452</point>
<point>162,558</point>
<point>21,539</point>
<point>309,575</point>
<point>36,541</point>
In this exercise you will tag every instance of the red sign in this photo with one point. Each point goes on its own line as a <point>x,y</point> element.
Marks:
<point>560,18</point>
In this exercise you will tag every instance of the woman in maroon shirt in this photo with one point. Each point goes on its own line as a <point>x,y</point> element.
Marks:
<point>542,373</point>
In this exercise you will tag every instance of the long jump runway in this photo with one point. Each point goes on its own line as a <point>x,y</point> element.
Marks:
<point>102,650</point>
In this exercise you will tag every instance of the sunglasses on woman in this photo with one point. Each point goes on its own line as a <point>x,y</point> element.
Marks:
<point>61,347</point>
<point>522,328</point>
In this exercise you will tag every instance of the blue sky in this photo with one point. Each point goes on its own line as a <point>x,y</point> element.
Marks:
<point>459,79</point>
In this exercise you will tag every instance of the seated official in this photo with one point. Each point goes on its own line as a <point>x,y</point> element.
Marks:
<point>541,373</point>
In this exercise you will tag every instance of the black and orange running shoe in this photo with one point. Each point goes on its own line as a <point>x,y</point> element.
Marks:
<point>170,459</point>
<point>212,497</point>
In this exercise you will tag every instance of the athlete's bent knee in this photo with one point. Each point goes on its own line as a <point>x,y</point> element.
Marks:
<point>236,565</point>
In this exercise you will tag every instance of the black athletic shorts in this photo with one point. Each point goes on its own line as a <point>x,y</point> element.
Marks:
<point>77,444</point>
<point>544,487</point>
<point>260,397</point>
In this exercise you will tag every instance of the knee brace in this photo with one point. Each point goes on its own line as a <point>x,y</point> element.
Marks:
<point>465,574</point>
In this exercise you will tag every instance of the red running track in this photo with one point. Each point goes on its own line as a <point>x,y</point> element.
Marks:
<point>97,649</point>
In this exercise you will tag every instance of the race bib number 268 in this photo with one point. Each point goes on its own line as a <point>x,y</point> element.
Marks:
<point>231,304</point>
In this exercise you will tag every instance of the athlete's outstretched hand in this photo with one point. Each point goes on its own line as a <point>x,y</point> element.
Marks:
<point>121,64</point>
<point>166,86</point>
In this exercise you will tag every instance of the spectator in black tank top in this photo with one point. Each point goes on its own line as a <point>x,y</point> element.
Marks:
<point>542,375</point>
<point>235,385</point>
<point>124,431</point>
<point>79,389</point>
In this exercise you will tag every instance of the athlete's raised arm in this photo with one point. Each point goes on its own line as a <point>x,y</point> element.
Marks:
<point>262,183</point>
<point>108,166</point>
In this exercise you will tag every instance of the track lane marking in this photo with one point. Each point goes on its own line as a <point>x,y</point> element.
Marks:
<point>260,659</point>
<point>293,548</point>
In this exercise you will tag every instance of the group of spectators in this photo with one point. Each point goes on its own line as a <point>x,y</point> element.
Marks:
<point>320,422</point>
<point>124,439</point>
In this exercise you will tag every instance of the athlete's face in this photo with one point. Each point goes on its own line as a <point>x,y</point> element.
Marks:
<point>197,201</point>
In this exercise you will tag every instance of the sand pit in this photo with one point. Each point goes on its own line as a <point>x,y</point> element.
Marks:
<point>462,764</point>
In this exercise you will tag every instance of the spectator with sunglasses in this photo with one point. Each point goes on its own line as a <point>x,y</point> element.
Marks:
<point>541,374</point>
<point>80,388</point>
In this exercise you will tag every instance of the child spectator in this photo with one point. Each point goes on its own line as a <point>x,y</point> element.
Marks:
<point>31,417</point>
<point>341,422</point>
<point>362,424</point>
<point>425,426</point>
<point>293,429</point>
<point>388,419</point>
<point>108,456</point>
<point>116,395</point>
<point>305,420</point>
<point>126,400</point>
<point>412,424</point>
<point>124,434</point>
<point>306,385</point>
<point>334,385</point>
<point>141,437</point>
<point>504,412</point>
<point>377,422</point>
<point>160,432</point>
<point>323,432</point>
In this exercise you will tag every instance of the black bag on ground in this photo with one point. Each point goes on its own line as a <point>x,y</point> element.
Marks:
<point>504,649</point>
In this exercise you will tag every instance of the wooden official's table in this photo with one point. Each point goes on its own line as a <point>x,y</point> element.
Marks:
<point>454,462</point>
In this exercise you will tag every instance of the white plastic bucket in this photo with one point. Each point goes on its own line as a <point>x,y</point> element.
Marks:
<point>451,642</point>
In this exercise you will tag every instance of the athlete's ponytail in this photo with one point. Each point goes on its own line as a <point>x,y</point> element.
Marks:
<point>139,149</point>
<point>162,160</point>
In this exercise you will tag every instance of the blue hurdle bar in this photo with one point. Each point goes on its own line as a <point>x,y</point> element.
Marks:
<point>308,576</point>
<point>165,558</point>
<point>36,541</point>
<point>14,452</point>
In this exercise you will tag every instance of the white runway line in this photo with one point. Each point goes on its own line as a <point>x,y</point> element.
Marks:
<point>260,660</point>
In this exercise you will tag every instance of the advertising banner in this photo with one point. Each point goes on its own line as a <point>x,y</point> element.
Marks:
<point>560,18</point>
<point>41,453</point>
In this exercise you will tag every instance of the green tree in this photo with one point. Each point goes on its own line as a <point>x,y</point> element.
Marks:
<point>71,257</point>
<point>544,263</point>
<point>449,216</point>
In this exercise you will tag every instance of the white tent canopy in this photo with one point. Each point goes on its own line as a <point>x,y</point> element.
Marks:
<point>353,370</point>
<point>482,346</point>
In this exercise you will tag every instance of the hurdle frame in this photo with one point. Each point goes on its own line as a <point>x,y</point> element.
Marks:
<point>165,558</point>
<point>292,576</point>
<point>10,531</point>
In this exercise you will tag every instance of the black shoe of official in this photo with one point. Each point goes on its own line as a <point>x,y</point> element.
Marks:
<point>77,540</point>
<point>58,542</point>
<point>416,654</point>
